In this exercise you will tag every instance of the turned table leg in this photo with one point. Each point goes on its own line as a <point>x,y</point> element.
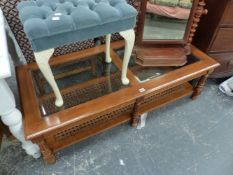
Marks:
<point>135,115</point>
<point>200,85</point>
<point>12,117</point>
<point>46,152</point>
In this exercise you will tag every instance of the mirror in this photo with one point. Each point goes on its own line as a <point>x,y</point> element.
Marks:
<point>165,30</point>
<point>166,19</point>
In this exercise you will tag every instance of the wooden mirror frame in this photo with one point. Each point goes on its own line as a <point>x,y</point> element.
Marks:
<point>158,52</point>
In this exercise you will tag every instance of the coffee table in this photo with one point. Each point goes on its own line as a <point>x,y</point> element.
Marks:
<point>94,98</point>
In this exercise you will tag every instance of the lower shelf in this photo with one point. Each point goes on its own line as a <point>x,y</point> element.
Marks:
<point>77,132</point>
<point>166,97</point>
<point>89,132</point>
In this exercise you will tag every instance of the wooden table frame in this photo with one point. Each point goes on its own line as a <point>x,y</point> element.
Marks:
<point>77,123</point>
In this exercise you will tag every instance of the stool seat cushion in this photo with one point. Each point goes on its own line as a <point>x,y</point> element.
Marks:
<point>53,23</point>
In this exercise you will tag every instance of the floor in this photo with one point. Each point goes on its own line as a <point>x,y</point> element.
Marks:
<point>186,137</point>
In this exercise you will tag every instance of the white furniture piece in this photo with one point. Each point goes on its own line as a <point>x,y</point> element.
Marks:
<point>227,87</point>
<point>9,114</point>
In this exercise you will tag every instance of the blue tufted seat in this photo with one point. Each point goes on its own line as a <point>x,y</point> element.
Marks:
<point>53,23</point>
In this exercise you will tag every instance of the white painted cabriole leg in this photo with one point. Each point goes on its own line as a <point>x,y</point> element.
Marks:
<point>108,58</point>
<point>42,59</point>
<point>129,36</point>
<point>12,117</point>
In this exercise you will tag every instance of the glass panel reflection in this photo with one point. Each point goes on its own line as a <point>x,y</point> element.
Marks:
<point>79,82</point>
<point>89,79</point>
<point>144,74</point>
<point>166,19</point>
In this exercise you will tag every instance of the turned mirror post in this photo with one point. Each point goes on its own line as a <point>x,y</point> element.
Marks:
<point>165,31</point>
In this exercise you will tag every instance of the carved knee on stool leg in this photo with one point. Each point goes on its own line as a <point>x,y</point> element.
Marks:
<point>42,59</point>
<point>129,37</point>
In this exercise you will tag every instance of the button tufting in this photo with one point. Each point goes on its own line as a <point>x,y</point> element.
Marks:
<point>91,7</point>
<point>54,8</point>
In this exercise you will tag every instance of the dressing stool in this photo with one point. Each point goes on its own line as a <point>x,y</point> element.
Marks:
<point>52,23</point>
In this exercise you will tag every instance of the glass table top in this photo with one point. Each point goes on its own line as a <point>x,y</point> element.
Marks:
<point>144,74</point>
<point>90,78</point>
